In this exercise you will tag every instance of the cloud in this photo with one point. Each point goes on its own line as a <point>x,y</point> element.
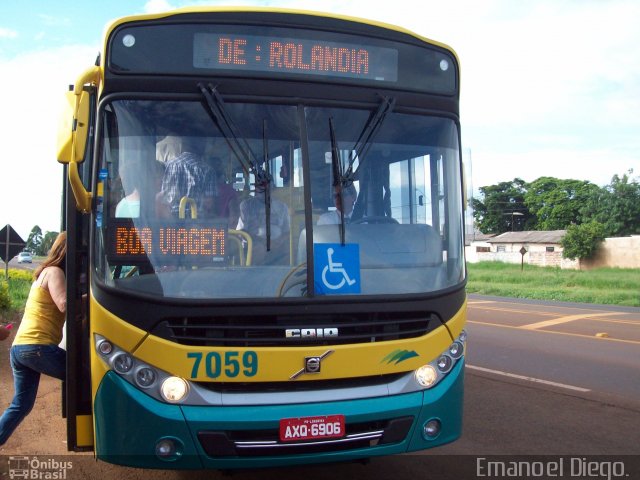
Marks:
<point>54,21</point>
<point>542,98</point>
<point>594,165</point>
<point>32,95</point>
<point>8,33</point>
<point>157,6</point>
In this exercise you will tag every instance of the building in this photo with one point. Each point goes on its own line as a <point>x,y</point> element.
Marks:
<point>544,248</point>
<point>541,248</point>
<point>476,243</point>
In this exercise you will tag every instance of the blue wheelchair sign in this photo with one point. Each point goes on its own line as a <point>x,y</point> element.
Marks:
<point>337,268</point>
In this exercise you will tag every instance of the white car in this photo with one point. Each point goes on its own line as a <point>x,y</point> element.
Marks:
<point>24,257</point>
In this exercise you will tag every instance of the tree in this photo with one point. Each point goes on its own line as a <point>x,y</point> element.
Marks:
<point>34,241</point>
<point>502,208</point>
<point>47,242</point>
<point>558,203</point>
<point>618,206</point>
<point>582,241</point>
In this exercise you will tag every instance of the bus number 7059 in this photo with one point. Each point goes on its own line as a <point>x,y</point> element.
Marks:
<point>233,363</point>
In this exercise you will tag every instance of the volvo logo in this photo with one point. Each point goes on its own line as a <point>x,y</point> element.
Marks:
<point>311,365</point>
<point>310,333</point>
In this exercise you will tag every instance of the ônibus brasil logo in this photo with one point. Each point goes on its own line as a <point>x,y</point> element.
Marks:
<point>38,468</point>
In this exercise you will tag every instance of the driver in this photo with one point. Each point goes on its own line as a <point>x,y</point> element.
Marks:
<point>349,195</point>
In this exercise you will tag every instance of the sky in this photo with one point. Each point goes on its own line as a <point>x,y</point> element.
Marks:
<point>549,87</point>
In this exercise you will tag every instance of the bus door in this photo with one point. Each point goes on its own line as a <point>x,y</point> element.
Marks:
<point>76,391</point>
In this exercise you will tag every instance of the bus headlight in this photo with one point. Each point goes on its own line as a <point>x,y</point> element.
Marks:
<point>426,375</point>
<point>105,347</point>
<point>444,363</point>
<point>429,375</point>
<point>145,377</point>
<point>456,349</point>
<point>122,363</point>
<point>154,381</point>
<point>174,389</point>
<point>463,336</point>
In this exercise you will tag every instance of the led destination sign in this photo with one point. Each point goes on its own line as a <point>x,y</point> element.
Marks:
<point>294,55</point>
<point>187,49</point>
<point>168,243</point>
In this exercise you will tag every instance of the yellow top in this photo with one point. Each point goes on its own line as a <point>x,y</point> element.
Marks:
<point>42,321</point>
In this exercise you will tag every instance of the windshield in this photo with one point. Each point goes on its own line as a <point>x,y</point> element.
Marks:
<point>357,203</point>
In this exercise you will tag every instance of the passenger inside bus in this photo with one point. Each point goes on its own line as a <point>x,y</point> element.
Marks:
<point>226,203</point>
<point>134,176</point>
<point>187,175</point>
<point>349,195</point>
<point>129,206</point>
<point>253,221</point>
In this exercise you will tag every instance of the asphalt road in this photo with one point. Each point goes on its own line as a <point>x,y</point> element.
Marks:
<point>13,263</point>
<point>584,347</point>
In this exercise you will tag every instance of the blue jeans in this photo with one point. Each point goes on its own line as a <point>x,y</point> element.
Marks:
<point>28,362</point>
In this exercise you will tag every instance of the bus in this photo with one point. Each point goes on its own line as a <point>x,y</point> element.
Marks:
<point>266,266</point>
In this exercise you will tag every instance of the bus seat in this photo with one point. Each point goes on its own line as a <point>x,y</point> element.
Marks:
<point>383,245</point>
<point>409,256</point>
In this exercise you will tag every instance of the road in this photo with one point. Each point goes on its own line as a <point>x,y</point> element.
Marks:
<point>590,347</point>
<point>539,382</point>
<point>13,263</point>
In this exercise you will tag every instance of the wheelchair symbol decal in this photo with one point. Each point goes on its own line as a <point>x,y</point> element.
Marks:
<point>337,268</point>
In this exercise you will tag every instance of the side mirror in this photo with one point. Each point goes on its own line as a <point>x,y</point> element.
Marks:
<point>74,128</point>
<point>73,134</point>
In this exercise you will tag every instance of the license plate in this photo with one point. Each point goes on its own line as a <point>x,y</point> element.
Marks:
<point>311,428</point>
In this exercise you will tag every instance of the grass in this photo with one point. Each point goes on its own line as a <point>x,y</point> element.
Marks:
<point>13,294</point>
<point>607,286</point>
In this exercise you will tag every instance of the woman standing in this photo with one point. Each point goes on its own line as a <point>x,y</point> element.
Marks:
<point>35,348</point>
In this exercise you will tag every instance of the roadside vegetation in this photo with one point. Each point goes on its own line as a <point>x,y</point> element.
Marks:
<point>606,286</point>
<point>13,294</point>
<point>587,212</point>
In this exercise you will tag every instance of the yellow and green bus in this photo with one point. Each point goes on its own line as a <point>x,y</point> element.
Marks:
<point>265,222</point>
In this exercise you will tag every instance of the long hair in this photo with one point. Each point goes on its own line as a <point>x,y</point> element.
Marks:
<point>56,257</point>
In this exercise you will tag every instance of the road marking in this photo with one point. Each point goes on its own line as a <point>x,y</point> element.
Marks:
<point>554,332</point>
<point>565,319</point>
<point>528,379</point>
<point>513,310</point>
<point>625,322</point>
<point>542,304</point>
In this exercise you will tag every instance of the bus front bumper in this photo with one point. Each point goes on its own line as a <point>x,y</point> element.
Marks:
<point>134,429</point>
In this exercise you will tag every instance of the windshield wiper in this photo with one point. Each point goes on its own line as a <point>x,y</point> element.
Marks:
<point>343,179</point>
<point>241,149</point>
<point>267,185</point>
<point>238,145</point>
<point>365,140</point>
<point>339,180</point>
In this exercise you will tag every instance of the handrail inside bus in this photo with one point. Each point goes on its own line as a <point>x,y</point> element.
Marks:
<point>184,201</point>
<point>246,261</point>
